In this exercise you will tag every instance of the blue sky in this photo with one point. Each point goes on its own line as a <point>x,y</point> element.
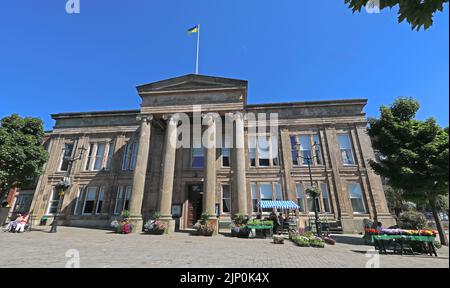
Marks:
<point>288,51</point>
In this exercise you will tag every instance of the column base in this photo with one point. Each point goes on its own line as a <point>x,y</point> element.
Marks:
<point>170,224</point>
<point>137,222</point>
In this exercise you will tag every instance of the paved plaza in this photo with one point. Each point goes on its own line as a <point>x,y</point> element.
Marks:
<point>99,248</point>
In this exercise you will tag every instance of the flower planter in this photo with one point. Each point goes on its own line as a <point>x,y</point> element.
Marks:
<point>156,231</point>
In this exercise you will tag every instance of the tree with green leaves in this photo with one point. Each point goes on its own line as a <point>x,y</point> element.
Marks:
<point>415,154</point>
<point>22,154</point>
<point>417,13</point>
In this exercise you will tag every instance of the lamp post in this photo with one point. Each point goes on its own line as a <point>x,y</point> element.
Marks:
<point>309,159</point>
<point>63,186</point>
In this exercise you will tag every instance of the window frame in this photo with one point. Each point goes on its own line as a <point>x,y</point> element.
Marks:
<point>253,148</point>
<point>315,150</point>
<point>363,198</point>
<point>351,148</point>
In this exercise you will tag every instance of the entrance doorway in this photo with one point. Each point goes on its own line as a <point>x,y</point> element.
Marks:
<point>195,203</point>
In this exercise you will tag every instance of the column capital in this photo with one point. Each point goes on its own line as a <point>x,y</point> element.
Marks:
<point>237,115</point>
<point>144,117</point>
<point>210,117</point>
<point>171,117</point>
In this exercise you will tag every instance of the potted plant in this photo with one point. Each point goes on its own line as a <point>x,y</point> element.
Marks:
<point>204,227</point>
<point>122,225</point>
<point>155,226</point>
<point>239,226</point>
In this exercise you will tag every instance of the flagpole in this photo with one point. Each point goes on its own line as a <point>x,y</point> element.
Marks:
<point>198,49</point>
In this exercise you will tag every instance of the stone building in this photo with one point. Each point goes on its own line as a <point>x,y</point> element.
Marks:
<point>122,160</point>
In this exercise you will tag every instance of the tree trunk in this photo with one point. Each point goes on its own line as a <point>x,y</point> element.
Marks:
<point>437,220</point>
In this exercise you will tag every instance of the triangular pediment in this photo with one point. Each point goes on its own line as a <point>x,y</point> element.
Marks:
<point>192,82</point>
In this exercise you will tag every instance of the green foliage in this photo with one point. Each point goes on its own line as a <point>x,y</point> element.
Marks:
<point>415,154</point>
<point>125,214</point>
<point>416,13</point>
<point>412,220</point>
<point>257,222</point>
<point>156,215</point>
<point>313,191</point>
<point>240,219</point>
<point>22,154</point>
<point>204,218</point>
<point>300,241</point>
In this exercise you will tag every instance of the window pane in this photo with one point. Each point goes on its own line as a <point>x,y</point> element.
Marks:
<point>67,155</point>
<point>197,158</point>
<point>274,147</point>
<point>263,151</point>
<point>265,191</point>
<point>254,197</point>
<point>119,200</point>
<point>54,202</point>
<point>317,149</point>
<point>110,155</point>
<point>346,148</point>
<point>226,199</point>
<point>90,200</point>
<point>294,150</point>
<point>126,157</point>
<point>134,156</point>
<point>101,195</point>
<point>127,198</point>
<point>300,198</point>
<point>89,158</point>
<point>325,197</point>
<point>305,148</point>
<point>226,156</point>
<point>356,197</point>
<point>99,156</point>
<point>278,192</point>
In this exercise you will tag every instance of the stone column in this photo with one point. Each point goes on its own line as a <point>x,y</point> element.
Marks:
<point>209,189</point>
<point>165,199</point>
<point>239,173</point>
<point>140,172</point>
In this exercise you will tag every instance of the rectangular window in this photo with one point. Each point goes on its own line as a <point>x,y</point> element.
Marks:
<point>89,201</point>
<point>278,192</point>
<point>77,201</point>
<point>265,192</point>
<point>226,157</point>
<point>89,158</point>
<point>101,195</point>
<point>99,156</point>
<point>300,197</point>
<point>197,158</point>
<point>226,199</point>
<point>130,156</point>
<point>134,155</point>
<point>356,197</point>
<point>305,149</point>
<point>345,146</point>
<point>118,207</point>
<point>263,151</point>
<point>67,157</point>
<point>294,153</point>
<point>325,197</point>
<point>110,155</point>
<point>126,157</point>
<point>54,202</point>
<point>127,198</point>
<point>317,149</point>
<point>254,197</point>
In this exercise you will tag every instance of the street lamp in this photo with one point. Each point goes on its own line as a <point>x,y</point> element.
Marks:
<point>62,186</point>
<point>309,159</point>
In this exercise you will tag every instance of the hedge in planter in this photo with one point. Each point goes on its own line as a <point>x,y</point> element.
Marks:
<point>155,226</point>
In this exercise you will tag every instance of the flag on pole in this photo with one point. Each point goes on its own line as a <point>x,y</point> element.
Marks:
<point>193,30</point>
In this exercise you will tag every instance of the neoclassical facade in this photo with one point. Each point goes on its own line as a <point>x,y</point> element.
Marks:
<point>123,160</point>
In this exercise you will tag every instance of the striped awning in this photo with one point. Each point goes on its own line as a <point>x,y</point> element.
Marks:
<point>278,204</point>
